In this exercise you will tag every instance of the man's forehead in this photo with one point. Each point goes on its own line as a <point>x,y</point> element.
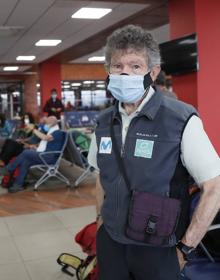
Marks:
<point>51,120</point>
<point>129,53</point>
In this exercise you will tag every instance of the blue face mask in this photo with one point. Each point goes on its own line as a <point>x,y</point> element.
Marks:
<point>54,97</point>
<point>46,127</point>
<point>128,88</point>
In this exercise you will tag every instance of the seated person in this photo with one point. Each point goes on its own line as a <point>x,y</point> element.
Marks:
<point>26,126</point>
<point>52,141</point>
<point>12,148</point>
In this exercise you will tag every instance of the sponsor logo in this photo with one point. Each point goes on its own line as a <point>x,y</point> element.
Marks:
<point>144,148</point>
<point>105,146</point>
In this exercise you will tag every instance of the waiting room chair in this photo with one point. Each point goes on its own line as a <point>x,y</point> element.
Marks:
<point>207,266</point>
<point>9,128</point>
<point>76,156</point>
<point>51,170</point>
<point>206,263</point>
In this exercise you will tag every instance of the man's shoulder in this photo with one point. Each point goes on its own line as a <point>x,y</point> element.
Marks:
<point>106,112</point>
<point>178,107</point>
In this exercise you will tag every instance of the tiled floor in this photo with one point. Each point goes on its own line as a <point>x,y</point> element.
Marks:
<point>30,244</point>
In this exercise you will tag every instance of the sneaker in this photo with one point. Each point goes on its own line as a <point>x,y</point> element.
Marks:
<point>15,188</point>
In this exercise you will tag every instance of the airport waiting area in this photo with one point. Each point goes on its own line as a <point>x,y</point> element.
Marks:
<point>49,211</point>
<point>109,140</point>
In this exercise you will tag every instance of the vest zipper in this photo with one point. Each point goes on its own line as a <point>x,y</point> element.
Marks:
<point>123,145</point>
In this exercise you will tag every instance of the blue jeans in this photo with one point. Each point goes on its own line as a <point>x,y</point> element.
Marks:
<point>26,159</point>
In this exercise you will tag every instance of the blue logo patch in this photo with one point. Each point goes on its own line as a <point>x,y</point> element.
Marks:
<point>144,148</point>
<point>105,146</point>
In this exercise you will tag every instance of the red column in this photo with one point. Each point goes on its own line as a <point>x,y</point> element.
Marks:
<point>200,88</point>
<point>30,95</point>
<point>50,77</point>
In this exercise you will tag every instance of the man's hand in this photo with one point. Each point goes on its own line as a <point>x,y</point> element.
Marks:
<point>49,137</point>
<point>99,223</point>
<point>20,140</point>
<point>182,261</point>
<point>30,146</point>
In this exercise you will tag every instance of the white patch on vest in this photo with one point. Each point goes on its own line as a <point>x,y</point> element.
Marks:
<point>146,134</point>
<point>105,146</point>
<point>144,148</point>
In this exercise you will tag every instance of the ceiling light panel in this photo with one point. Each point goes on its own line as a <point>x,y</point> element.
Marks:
<point>25,57</point>
<point>48,43</point>
<point>91,13</point>
<point>96,58</point>
<point>10,68</point>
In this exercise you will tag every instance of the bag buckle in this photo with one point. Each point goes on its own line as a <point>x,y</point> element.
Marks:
<point>151,225</point>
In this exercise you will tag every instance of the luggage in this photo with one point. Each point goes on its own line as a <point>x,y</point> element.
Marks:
<point>84,269</point>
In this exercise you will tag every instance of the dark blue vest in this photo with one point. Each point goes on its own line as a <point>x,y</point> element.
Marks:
<point>152,160</point>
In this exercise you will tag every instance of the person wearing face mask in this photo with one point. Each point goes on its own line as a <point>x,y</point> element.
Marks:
<point>54,106</point>
<point>52,140</point>
<point>147,148</point>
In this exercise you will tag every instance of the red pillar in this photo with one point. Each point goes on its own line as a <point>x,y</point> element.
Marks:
<point>200,88</point>
<point>50,77</point>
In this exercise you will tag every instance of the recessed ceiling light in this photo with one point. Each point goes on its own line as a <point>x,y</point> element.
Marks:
<point>91,13</point>
<point>48,43</point>
<point>38,85</point>
<point>96,58</point>
<point>25,57</point>
<point>10,68</point>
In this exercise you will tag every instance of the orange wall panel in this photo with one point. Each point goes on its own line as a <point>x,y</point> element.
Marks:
<point>83,72</point>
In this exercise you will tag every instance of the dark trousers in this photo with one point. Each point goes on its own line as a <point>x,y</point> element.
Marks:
<point>118,261</point>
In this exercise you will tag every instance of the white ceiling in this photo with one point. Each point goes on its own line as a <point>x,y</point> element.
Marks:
<point>24,22</point>
<point>31,20</point>
<point>161,34</point>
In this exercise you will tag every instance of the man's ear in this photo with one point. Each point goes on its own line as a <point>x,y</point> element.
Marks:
<point>154,72</point>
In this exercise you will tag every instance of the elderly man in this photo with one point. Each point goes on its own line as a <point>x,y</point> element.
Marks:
<point>147,147</point>
<point>52,141</point>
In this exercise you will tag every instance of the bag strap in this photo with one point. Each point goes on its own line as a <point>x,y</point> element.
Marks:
<point>119,158</point>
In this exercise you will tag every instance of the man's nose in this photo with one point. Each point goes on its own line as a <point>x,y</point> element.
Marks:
<point>126,70</point>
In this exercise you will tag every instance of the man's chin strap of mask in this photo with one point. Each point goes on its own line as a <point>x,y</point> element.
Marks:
<point>147,83</point>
